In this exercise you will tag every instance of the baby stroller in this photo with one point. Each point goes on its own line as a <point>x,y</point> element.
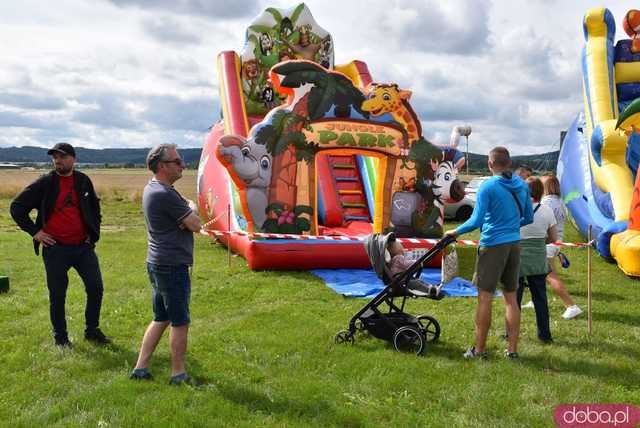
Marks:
<point>407,332</point>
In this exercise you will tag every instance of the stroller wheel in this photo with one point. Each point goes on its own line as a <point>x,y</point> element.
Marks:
<point>343,336</point>
<point>430,327</point>
<point>409,339</point>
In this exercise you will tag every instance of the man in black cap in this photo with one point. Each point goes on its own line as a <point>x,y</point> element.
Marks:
<point>67,226</point>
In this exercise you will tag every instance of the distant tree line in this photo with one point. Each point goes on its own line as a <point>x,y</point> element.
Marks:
<point>541,163</point>
<point>103,158</point>
<point>135,158</point>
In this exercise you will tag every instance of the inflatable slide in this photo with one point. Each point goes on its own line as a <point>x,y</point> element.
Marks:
<point>310,155</point>
<point>599,157</point>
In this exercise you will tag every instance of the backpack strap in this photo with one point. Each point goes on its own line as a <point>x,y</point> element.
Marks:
<point>508,175</point>
<point>537,208</point>
<point>515,198</point>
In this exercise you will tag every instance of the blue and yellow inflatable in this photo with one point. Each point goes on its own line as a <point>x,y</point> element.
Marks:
<point>596,167</point>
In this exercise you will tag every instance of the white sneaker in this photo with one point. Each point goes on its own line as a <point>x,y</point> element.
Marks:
<point>571,312</point>
<point>528,305</point>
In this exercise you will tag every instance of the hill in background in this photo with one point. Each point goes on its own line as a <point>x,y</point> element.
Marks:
<point>136,158</point>
<point>541,163</point>
<point>112,157</point>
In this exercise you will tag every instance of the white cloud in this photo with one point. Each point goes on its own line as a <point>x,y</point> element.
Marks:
<point>131,73</point>
<point>106,111</point>
<point>9,119</point>
<point>209,8</point>
<point>455,27</point>
<point>35,101</point>
<point>170,30</point>
<point>173,113</point>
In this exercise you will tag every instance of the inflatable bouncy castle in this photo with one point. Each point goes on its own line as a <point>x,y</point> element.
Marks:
<point>598,163</point>
<point>309,154</point>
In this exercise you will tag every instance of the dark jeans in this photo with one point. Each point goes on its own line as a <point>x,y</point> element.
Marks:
<point>58,259</point>
<point>537,286</point>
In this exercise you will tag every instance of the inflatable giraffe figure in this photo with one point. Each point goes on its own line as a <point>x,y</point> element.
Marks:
<point>388,98</point>
<point>435,179</point>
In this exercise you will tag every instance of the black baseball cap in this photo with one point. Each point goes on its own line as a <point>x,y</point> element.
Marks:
<point>62,148</point>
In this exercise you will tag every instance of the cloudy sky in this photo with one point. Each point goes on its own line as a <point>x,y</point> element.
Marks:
<point>133,73</point>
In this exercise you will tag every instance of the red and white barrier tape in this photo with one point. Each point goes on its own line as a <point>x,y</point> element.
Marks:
<point>469,242</point>
<point>213,220</point>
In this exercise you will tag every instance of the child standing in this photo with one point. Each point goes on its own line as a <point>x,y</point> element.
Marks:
<point>553,200</point>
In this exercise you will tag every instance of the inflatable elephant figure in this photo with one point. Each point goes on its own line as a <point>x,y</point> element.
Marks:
<point>251,163</point>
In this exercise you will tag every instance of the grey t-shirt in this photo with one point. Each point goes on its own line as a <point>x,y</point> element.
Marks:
<point>164,209</point>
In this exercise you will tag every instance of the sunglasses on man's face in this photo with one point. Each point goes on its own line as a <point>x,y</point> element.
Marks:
<point>177,161</point>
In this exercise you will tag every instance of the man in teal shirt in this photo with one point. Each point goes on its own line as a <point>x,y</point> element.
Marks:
<point>502,206</point>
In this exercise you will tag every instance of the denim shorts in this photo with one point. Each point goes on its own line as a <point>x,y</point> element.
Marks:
<point>170,293</point>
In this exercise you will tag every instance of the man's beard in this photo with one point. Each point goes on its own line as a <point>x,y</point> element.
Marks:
<point>62,170</point>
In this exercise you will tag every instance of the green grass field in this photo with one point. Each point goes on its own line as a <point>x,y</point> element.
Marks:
<point>261,349</point>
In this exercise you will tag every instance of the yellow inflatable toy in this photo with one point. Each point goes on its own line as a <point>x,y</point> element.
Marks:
<point>599,159</point>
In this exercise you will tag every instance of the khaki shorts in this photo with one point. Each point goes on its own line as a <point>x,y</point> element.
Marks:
<point>499,263</point>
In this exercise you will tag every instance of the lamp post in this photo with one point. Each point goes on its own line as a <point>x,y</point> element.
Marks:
<point>457,132</point>
<point>464,131</point>
<point>467,155</point>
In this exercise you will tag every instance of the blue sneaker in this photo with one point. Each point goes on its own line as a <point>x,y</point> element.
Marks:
<point>140,374</point>
<point>564,260</point>
<point>180,379</point>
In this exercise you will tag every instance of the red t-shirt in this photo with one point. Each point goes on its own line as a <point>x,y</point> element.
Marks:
<point>65,224</point>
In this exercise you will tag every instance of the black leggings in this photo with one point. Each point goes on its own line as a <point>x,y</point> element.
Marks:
<point>537,286</point>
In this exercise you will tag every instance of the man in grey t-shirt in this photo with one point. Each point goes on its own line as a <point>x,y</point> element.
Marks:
<point>164,210</point>
<point>171,221</point>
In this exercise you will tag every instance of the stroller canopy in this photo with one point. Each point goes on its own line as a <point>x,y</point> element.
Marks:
<point>375,246</point>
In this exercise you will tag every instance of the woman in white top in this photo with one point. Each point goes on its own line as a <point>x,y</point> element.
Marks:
<point>553,200</point>
<point>533,257</point>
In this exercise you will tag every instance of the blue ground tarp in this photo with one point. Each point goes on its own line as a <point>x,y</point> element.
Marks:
<point>365,283</point>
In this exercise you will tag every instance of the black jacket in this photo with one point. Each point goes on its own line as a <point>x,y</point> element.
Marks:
<point>41,195</point>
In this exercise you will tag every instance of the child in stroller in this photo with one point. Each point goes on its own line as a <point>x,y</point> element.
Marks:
<point>382,317</point>
<point>398,263</point>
